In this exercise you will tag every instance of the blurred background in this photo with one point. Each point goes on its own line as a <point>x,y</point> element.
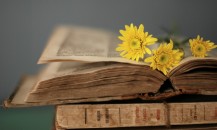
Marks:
<point>26,25</point>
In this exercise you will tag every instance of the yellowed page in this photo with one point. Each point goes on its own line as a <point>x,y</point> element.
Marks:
<point>190,60</point>
<point>23,90</point>
<point>60,69</point>
<point>72,43</point>
<point>18,98</point>
<point>47,87</point>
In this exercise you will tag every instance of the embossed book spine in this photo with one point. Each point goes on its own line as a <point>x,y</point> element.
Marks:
<point>135,115</point>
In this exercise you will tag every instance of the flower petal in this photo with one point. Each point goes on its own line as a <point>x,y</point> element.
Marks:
<point>132,33</point>
<point>148,50</point>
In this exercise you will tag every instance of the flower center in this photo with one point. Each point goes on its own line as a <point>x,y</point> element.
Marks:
<point>163,58</point>
<point>200,49</point>
<point>135,44</point>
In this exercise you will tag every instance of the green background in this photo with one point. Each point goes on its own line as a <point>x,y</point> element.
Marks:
<point>36,118</point>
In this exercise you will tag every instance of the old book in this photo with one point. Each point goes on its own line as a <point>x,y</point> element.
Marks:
<point>173,115</point>
<point>101,75</point>
<point>83,82</point>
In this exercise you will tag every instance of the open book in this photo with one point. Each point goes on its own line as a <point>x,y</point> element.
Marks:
<point>84,67</point>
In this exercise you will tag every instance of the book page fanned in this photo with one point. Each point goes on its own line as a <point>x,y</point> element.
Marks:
<point>18,98</point>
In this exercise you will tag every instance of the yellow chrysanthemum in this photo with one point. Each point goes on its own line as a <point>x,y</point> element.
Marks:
<point>135,42</point>
<point>165,58</point>
<point>199,48</point>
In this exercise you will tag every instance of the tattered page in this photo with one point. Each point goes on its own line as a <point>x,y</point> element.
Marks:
<point>196,76</point>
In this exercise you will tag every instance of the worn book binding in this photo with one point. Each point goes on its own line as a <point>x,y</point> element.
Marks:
<point>135,115</point>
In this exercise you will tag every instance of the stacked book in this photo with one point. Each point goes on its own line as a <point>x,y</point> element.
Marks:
<point>93,87</point>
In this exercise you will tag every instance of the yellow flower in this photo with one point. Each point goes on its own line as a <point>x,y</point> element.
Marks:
<point>199,48</point>
<point>134,42</point>
<point>165,58</point>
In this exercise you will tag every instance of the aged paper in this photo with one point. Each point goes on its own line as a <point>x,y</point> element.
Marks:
<point>18,98</point>
<point>72,43</point>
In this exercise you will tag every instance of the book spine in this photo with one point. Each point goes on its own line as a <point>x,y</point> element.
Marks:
<point>193,113</point>
<point>135,115</point>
